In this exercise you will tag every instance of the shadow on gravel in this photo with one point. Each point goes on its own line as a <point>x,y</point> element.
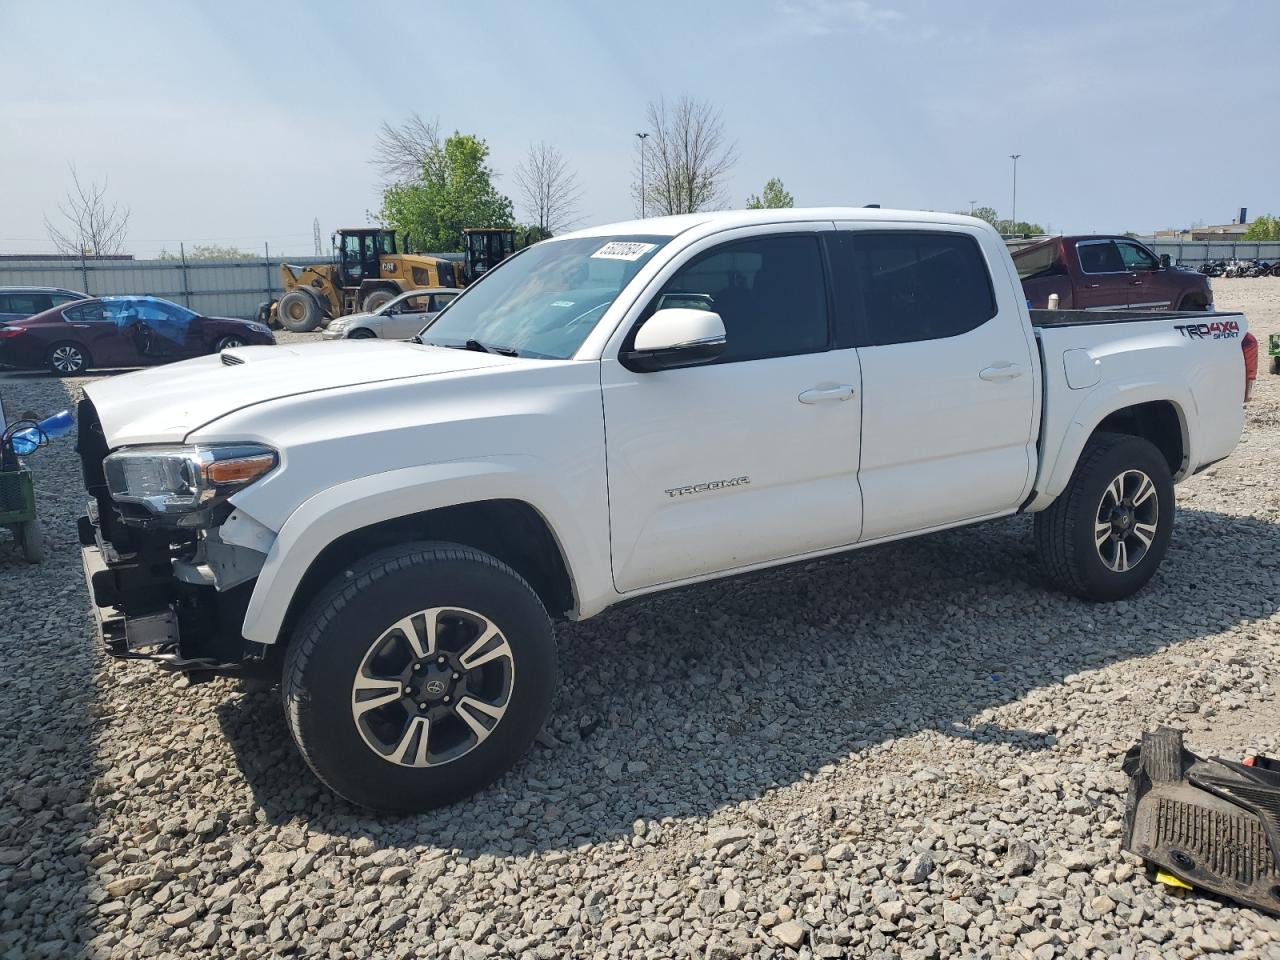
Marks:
<point>710,696</point>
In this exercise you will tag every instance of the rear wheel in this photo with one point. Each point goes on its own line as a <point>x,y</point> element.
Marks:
<point>419,676</point>
<point>299,311</point>
<point>376,299</point>
<point>1108,531</point>
<point>67,359</point>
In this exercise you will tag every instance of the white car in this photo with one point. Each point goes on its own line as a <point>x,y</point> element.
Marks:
<point>609,414</point>
<point>397,319</point>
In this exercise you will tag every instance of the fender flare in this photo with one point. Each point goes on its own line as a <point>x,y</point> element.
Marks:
<point>1056,471</point>
<point>365,501</point>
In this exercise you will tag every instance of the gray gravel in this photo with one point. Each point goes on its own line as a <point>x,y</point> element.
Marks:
<point>907,752</point>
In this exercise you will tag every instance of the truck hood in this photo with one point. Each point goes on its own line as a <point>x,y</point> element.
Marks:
<point>165,404</point>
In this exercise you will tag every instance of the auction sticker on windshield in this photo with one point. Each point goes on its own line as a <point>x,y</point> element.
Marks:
<point>623,250</point>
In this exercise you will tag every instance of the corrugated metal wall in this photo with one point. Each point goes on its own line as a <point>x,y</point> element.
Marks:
<point>1195,252</point>
<point>215,288</point>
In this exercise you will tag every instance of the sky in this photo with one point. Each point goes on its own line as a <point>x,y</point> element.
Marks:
<point>241,123</point>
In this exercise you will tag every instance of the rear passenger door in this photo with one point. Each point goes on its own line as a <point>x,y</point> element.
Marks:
<point>949,385</point>
<point>1104,278</point>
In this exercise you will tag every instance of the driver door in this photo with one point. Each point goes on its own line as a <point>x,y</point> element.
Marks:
<point>410,315</point>
<point>1147,282</point>
<point>747,458</point>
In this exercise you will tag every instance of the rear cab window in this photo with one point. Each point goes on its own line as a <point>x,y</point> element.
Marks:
<point>904,286</point>
<point>1099,256</point>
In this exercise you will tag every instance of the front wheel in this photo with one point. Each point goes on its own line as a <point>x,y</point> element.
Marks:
<point>418,676</point>
<point>361,333</point>
<point>228,343</point>
<point>1108,531</point>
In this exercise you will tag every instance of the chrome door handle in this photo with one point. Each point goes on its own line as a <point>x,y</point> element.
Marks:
<point>822,394</point>
<point>1001,372</point>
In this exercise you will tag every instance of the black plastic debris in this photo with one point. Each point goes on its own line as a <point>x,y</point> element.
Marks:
<point>1211,822</point>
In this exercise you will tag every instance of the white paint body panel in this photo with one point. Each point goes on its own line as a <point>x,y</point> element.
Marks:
<point>371,431</point>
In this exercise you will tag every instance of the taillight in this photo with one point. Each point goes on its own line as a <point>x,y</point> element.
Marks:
<point>7,332</point>
<point>1249,345</point>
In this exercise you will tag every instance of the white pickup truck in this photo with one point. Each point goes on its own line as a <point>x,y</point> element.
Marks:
<point>392,528</point>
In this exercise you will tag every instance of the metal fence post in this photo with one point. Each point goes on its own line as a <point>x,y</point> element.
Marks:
<point>266,247</point>
<point>186,280</point>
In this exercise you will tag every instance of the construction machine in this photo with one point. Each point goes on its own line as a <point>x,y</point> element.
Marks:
<point>368,270</point>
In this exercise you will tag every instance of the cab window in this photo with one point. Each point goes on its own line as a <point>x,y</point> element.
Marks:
<point>1137,258</point>
<point>1099,256</point>
<point>89,313</point>
<point>769,291</point>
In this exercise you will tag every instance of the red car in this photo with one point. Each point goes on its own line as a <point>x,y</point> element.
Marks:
<point>1107,273</point>
<point>120,332</point>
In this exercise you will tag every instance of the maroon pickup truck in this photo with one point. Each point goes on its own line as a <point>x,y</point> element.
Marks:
<point>1107,273</point>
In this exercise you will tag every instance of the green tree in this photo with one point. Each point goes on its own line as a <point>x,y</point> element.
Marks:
<point>1264,228</point>
<point>774,196</point>
<point>454,191</point>
<point>209,251</point>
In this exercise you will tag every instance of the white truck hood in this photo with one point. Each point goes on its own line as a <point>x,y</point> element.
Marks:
<point>165,404</point>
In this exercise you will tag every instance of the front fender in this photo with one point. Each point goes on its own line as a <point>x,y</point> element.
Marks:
<point>359,503</point>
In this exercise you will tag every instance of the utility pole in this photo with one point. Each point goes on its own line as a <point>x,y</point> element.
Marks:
<point>1013,219</point>
<point>971,204</point>
<point>642,137</point>
<point>315,235</point>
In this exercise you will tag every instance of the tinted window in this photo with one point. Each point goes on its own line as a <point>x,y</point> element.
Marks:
<point>1136,258</point>
<point>60,298</point>
<point>912,286</point>
<point>442,299</point>
<point>1038,261</point>
<point>89,313</point>
<point>1100,256</point>
<point>26,304</point>
<point>770,293</point>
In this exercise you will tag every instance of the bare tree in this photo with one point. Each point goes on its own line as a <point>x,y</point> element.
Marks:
<point>686,158</point>
<point>548,188</point>
<point>94,227</point>
<point>401,150</point>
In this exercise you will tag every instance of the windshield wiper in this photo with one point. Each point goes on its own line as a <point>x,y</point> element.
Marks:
<point>490,348</point>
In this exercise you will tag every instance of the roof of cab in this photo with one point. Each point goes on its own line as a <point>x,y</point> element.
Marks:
<point>712,221</point>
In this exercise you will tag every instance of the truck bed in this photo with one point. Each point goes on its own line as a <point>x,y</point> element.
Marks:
<point>1079,318</point>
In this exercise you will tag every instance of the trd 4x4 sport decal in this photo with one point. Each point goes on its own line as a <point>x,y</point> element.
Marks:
<point>1218,330</point>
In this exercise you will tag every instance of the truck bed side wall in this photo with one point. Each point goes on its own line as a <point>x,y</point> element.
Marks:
<point>1200,373</point>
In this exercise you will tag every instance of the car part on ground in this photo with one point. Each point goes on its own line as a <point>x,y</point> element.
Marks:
<point>1213,823</point>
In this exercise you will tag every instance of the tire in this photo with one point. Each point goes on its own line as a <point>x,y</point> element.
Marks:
<point>353,626</point>
<point>1275,365</point>
<point>299,311</point>
<point>361,333</point>
<point>32,535</point>
<point>1192,303</point>
<point>228,343</point>
<point>67,359</point>
<point>1095,569</point>
<point>376,299</point>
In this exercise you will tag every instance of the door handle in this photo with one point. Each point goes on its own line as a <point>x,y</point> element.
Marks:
<point>1001,372</point>
<point>823,394</point>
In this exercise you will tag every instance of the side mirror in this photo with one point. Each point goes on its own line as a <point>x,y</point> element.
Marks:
<point>1165,261</point>
<point>675,337</point>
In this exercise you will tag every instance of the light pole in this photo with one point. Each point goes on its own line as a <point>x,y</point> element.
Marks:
<point>971,203</point>
<point>1013,219</point>
<point>642,137</point>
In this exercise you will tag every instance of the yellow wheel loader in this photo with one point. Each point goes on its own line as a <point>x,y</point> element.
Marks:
<point>367,272</point>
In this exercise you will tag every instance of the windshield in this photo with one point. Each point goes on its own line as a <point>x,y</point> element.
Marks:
<point>546,299</point>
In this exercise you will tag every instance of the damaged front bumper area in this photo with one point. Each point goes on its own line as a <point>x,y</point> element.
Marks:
<point>172,593</point>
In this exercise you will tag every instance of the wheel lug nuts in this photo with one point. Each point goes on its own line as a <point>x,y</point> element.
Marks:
<point>417,667</point>
<point>422,706</point>
<point>440,659</point>
<point>408,689</point>
<point>456,676</point>
<point>446,699</point>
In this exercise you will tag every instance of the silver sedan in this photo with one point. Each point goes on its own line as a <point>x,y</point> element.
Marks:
<point>397,319</point>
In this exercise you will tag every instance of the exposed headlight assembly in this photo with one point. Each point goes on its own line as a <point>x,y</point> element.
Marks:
<point>170,480</point>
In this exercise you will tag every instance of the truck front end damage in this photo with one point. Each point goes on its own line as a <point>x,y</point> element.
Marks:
<point>170,562</point>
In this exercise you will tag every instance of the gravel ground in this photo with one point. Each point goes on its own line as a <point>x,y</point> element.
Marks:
<point>911,751</point>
